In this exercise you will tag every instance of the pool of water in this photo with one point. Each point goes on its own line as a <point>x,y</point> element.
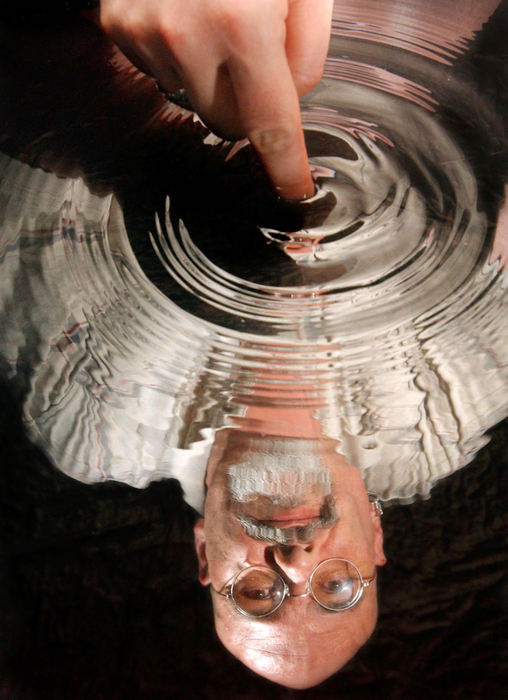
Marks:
<point>189,297</point>
<point>155,290</point>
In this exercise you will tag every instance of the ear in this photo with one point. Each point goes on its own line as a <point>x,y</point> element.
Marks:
<point>380,558</point>
<point>200,545</point>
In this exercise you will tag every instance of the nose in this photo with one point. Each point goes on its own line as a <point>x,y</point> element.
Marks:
<point>296,562</point>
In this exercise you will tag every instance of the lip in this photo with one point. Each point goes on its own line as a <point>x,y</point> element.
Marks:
<point>295,514</point>
<point>300,522</point>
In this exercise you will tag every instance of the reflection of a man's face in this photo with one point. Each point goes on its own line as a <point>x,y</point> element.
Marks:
<point>287,504</point>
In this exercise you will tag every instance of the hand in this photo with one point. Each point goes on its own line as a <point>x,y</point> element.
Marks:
<point>244,64</point>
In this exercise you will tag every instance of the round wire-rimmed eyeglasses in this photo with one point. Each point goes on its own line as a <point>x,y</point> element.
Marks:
<point>258,591</point>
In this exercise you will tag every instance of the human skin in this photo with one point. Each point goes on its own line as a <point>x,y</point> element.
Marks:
<point>301,644</point>
<point>244,66</point>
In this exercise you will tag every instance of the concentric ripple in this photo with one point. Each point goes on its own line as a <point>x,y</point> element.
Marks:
<point>403,233</point>
<point>387,315</point>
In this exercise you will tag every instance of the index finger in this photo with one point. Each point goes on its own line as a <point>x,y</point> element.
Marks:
<point>268,105</point>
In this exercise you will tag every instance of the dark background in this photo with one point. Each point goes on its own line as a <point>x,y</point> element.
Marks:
<point>100,598</point>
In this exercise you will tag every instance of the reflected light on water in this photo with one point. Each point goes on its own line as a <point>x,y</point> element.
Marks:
<point>386,316</point>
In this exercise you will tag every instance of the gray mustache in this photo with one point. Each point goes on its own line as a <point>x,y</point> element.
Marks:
<point>292,535</point>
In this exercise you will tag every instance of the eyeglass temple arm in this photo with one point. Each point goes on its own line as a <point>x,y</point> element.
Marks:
<point>222,595</point>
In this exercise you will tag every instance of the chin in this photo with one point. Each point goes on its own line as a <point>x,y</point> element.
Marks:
<point>293,671</point>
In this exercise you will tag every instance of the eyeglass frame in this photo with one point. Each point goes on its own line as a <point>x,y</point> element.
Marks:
<point>364,583</point>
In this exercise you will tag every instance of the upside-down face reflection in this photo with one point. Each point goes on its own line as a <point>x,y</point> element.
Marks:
<point>299,515</point>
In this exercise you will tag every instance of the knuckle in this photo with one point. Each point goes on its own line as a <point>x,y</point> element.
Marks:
<point>272,141</point>
<point>231,27</point>
<point>172,33</point>
<point>246,24</point>
<point>117,26</point>
<point>183,39</point>
<point>108,20</point>
<point>306,80</point>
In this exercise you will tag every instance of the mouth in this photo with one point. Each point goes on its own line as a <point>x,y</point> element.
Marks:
<point>283,524</point>
<point>280,515</point>
<point>292,517</point>
<point>301,513</point>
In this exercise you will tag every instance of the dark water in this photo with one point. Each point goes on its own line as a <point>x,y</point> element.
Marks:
<point>396,272</point>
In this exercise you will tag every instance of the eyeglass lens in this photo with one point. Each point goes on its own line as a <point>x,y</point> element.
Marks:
<point>335,584</point>
<point>258,591</point>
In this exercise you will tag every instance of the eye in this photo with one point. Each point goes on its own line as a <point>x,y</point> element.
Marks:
<point>336,584</point>
<point>259,593</point>
<point>340,585</point>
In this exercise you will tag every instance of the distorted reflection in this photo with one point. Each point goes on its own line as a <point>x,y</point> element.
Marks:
<point>282,373</point>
